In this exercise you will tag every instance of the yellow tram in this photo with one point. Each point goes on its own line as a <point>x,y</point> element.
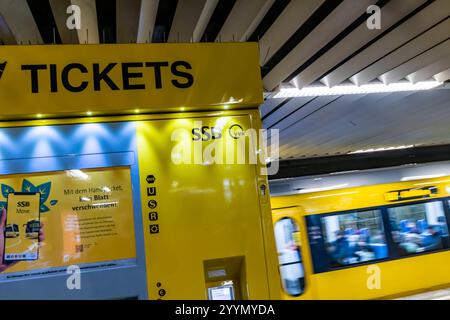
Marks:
<point>378,241</point>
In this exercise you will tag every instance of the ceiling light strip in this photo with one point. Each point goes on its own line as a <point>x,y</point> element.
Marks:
<point>314,91</point>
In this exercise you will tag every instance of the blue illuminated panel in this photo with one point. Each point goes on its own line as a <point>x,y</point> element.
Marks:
<point>65,147</point>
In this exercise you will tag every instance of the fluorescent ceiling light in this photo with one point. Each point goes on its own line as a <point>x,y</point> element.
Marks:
<point>382,149</point>
<point>430,176</point>
<point>338,186</point>
<point>314,91</point>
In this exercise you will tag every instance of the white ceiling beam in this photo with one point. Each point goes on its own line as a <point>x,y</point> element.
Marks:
<point>257,20</point>
<point>6,36</point>
<point>390,13</point>
<point>430,70</point>
<point>430,57</point>
<point>20,21</point>
<point>127,20</point>
<point>147,17</point>
<point>203,20</point>
<point>411,28</point>
<point>443,76</point>
<point>59,10</point>
<point>408,51</point>
<point>292,18</point>
<point>89,26</point>
<point>242,15</point>
<point>340,18</point>
<point>187,14</point>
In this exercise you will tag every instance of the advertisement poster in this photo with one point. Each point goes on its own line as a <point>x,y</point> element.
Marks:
<point>22,227</point>
<point>86,219</point>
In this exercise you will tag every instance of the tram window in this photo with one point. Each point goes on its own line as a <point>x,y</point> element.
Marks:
<point>287,238</point>
<point>419,227</point>
<point>354,237</point>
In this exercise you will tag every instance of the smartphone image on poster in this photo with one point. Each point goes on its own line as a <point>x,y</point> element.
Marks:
<point>22,226</point>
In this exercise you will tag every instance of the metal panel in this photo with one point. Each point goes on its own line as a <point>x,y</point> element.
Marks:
<point>292,17</point>
<point>256,21</point>
<point>407,51</point>
<point>59,10</point>
<point>239,20</point>
<point>430,70</point>
<point>89,27</point>
<point>185,20</point>
<point>443,76</point>
<point>205,16</point>
<point>391,13</point>
<point>6,36</point>
<point>285,111</point>
<point>147,18</point>
<point>269,105</point>
<point>127,14</point>
<point>329,28</point>
<point>438,53</point>
<point>411,28</point>
<point>20,21</point>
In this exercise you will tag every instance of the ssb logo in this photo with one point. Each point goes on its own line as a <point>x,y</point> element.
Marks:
<point>2,68</point>
<point>22,204</point>
<point>236,131</point>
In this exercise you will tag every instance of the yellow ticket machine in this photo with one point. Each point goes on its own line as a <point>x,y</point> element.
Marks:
<point>204,209</point>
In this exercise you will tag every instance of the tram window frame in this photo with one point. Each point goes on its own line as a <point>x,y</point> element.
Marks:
<point>324,265</point>
<point>446,210</point>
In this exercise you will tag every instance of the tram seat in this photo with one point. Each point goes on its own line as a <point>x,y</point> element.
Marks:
<point>364,232</point>
<point>404,226</point>
<point>380,250</point>
<point>422,225</point>
<point>349,232</point>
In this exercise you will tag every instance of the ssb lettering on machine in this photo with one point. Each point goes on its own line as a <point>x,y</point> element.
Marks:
<point>154,228</point>
<point>153,216</point>
<point>152,204</point>
<point>96,76</point>
<point>151,191</point>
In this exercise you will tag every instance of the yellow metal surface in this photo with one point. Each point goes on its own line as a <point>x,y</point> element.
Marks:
<point>71,80</point>
<point>192,213</point>
<point>205,211</point>
<point>398,277</point>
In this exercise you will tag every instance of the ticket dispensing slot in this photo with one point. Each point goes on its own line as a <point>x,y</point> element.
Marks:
<point>225,279</point>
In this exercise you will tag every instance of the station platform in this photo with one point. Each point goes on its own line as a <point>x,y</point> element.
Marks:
<point>442,294</point>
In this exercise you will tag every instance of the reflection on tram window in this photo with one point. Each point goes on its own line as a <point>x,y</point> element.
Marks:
<point>354,237</point>
<point>419,227</point>
<point>287,238</point>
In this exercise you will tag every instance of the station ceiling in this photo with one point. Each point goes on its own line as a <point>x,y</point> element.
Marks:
<point>302,43</point>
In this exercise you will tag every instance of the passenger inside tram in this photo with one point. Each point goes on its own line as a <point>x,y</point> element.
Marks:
<point>353,238</point>
<point>419,227</point>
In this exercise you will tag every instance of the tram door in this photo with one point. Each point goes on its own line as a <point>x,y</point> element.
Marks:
<point>288,238</point>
